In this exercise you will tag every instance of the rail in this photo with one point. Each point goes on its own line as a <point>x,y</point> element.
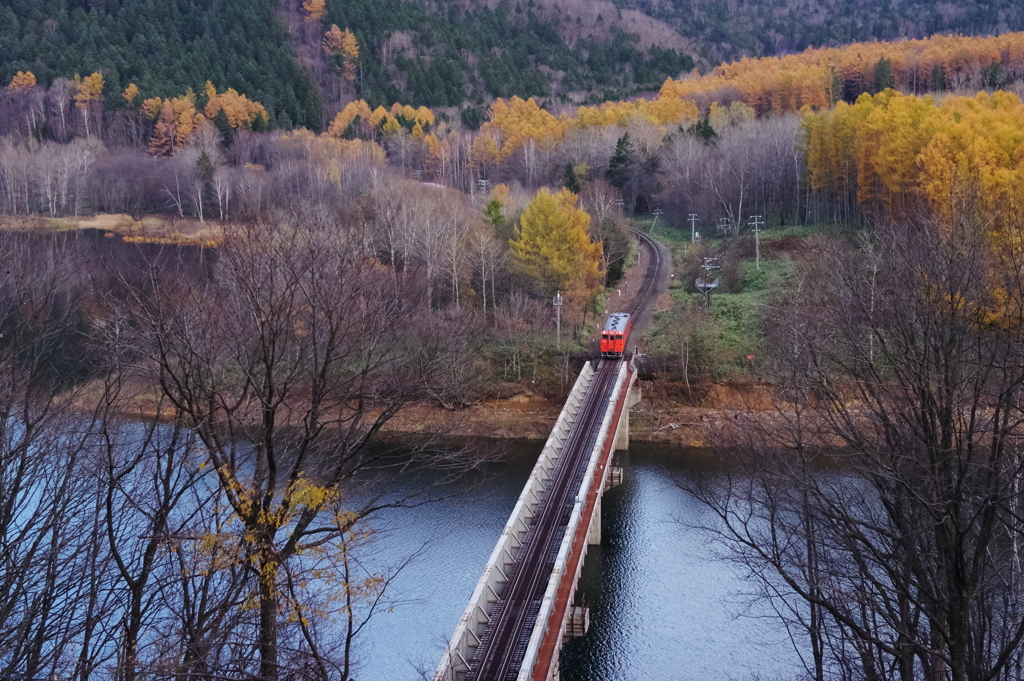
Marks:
<point>512,622</point>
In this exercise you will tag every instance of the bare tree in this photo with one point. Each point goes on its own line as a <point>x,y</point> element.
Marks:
<point>897,554</point>
<point>47,520</point>
<point>287,364</point>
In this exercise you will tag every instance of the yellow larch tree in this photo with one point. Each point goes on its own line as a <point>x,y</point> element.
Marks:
<point>130,94</point>
<point>343,47</point>
<point>551,244</point>
<point>241,111</point>
<point>87,91</point>
<point>349,55</point>
<point>314,9</point>
<point>358,109</point>
<point>22,80</point>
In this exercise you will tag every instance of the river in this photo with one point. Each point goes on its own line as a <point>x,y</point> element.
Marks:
<point>664,603</point>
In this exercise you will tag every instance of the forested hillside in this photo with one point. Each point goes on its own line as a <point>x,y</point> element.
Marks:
<point>458,53</point>
<point>163,47</point>
<point>729,29</point>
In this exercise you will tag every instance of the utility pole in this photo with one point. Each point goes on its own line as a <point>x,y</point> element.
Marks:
<point>757,222</point>
<point>657,212</point>
<point>704,283</point>
<point>693,227</point>
<point>557,302</point>
<point>724,225</point>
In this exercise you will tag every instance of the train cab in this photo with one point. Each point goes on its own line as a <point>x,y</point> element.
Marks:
<point>615,335</point>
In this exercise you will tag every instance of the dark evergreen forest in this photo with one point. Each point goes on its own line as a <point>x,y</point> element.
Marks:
<point>509,46</point>
<point>732,29</point>
<point>163,46</point>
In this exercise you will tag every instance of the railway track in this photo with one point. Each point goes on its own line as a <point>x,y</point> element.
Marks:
<point>655,273</point>
<point>503,646</point>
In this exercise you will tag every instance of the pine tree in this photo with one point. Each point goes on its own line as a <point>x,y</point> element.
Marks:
<point>704,130</point>
<point>618,165</point>
<point>835,87</point>
<point>493,215</point>
<point>227,133</point>
<point>883,75</point>
<point>570,181</point>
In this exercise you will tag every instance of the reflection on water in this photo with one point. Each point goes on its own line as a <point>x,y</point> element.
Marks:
<point>664,605</point>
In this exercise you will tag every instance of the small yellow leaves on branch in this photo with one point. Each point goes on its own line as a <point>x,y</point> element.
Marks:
<point>22,81</point>
<point>303,493</point>
<point>315,9</point>
<point>87,89</point>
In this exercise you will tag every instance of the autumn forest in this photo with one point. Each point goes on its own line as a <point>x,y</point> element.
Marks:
<point>240,241</point>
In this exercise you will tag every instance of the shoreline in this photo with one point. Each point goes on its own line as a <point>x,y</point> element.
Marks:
<point>528,416</point>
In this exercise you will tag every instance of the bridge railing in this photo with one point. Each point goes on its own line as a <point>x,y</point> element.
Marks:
<point>561,586</point>
<point>477,614</point>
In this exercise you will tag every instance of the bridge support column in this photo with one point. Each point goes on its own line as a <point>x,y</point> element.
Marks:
<point>594,539</point>
<point>622,432</point>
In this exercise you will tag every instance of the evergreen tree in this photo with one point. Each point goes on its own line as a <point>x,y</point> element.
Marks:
<point>570,180</point>
<point>883,75</point>
<point>992,76</point>
<point>493,214</point>
<point>702,129</point>
<point>618,165</point>
<point>835,87</point>
<point>227,133</point>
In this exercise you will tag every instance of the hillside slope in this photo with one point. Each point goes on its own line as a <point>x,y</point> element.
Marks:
<point>730,29</point>
<point>447,52</point>
<point>163,46</point>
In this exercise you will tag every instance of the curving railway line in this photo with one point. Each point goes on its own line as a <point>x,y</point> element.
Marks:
<point>503,645</point>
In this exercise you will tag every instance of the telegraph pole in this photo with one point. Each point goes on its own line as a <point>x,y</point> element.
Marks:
<point>693,227</point>
<point>757,222</point>
<point>656,213</point>
<point>557,302</point>
<point>704,283</point>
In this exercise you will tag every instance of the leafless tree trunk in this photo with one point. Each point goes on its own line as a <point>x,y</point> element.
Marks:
<point>894,553</point>
<point>300,344</point>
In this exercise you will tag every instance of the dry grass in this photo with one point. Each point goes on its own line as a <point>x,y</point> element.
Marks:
<point>150,229</point>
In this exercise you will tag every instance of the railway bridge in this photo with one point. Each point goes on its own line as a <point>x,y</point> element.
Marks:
<point>524,604</point>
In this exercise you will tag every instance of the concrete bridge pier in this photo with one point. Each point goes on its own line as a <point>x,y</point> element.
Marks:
<point>614,475</point>
<point>622,432</point>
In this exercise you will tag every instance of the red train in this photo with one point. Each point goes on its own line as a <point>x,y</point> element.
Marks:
<point>615,335</point>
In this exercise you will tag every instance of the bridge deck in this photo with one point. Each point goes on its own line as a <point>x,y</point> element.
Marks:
<point>518,609</point>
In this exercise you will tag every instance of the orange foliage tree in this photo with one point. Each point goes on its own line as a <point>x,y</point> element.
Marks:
<point>315,9</point>
<point>344,48</point>
<point>22,80</point>
<point>241,111</point>
<point>955,158</point>
<point>87,91</point>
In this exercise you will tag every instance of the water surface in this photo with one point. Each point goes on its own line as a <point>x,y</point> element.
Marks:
<point>664,603</point>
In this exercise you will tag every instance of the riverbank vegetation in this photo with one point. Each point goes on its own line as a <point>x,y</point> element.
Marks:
<point>194,427</point>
